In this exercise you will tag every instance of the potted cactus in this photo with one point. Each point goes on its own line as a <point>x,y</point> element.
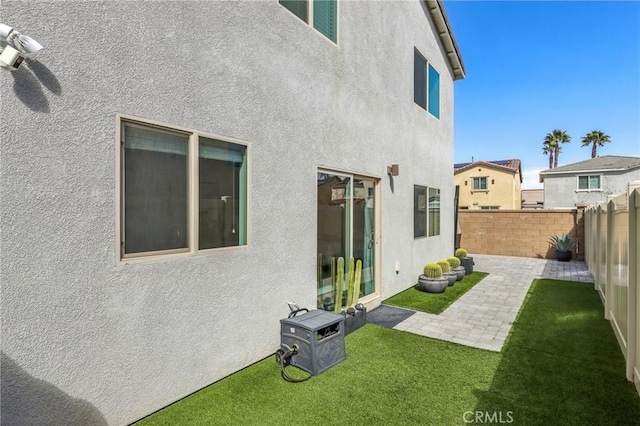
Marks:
<point>563,245</point>
<point>454,264</point>
<point>465,260</point>
<point>432,280</point>
<point>355,314</point>
<point>446,272</point>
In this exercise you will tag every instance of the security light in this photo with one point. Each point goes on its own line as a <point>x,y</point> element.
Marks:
<point>17,45</point>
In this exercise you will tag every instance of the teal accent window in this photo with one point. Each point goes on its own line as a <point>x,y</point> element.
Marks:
<point>419,80</point>
<point>589,183</point>
<point>434,92</point>
<point>160,213</point>
<point>426,85</point>
<point>297,7</point>
<point>426,211</point>
<point>324,17</point>
<point>480,183</point>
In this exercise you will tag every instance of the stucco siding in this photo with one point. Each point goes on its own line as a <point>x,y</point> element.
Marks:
<point>503,188</point>
<point>107,342</point>
<point>561,191</point>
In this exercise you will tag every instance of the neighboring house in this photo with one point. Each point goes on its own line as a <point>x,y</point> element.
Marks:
<point>588,182</point>
<point>489,185</point>
<point>532,198</point>
<point>173,173</point>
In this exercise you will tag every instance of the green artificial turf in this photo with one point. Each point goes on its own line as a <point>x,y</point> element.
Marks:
<point>560,366</point>
<point>434,303</point>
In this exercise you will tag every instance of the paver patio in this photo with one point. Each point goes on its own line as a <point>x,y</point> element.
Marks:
<point>483,316</point>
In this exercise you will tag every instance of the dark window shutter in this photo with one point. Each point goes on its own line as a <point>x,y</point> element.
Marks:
<point>324,18</point>
<point>419,80</point>
<point>297,7</point>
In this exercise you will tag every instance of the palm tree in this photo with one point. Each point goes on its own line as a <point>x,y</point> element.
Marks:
<point>553,141</point>
<point>548,150</point>
<point>595,138</point>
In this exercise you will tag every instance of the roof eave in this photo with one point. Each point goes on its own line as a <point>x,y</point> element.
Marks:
<point>446,37</point>
<point>573,172</point>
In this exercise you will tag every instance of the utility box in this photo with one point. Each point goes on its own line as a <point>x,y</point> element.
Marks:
<point>319,336</point>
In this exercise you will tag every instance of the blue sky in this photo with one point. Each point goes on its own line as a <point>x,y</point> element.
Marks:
<point>540,65</point>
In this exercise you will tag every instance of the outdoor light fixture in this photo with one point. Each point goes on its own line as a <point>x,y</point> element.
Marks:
<point>393,170</point>
<point>16,47</point>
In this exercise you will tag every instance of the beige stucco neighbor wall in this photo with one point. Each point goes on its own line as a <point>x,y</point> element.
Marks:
<point>520,232</point>
<point>503,188</point>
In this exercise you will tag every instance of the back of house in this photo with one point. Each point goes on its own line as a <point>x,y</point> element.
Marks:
<point>173,173</point>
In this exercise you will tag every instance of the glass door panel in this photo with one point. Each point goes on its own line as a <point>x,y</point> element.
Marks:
<point>346,228</point>
<point>364,231</point>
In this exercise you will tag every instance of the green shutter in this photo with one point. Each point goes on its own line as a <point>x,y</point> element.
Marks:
<point>297,7</point>
<point>324,18</point>
<point>434,92</point>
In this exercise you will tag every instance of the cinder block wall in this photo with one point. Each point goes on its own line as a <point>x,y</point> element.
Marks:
<point>520,232</point>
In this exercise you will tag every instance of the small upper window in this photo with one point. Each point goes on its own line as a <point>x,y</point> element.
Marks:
<point>322,15</point>
<point>589,183</point>
<point>479,183</point>
<point>426,85</point>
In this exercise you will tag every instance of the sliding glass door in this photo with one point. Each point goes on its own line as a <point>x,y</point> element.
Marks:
<point>346,228</point>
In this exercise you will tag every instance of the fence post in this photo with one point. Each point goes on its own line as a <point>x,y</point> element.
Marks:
<point>633,358</point>
<point>611,211</point>
<point>599,285</point>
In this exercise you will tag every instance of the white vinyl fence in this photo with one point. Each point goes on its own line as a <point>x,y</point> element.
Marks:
<point>612,252</point>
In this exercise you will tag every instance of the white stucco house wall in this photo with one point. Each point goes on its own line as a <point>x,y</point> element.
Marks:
<point>173,173</point>
<point>588,182</point>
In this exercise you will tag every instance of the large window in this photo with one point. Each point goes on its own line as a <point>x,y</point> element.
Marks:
<point>480,183</point>
<point>174,201</point>
<point>322,15</point>
<point>426,211</point>
<point>426,85</point>
<point>589,183</point>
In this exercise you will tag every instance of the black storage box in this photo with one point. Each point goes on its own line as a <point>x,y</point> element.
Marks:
<point>319,336</point>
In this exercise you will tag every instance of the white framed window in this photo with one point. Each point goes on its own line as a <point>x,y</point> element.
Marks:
<point>426,211</point>
<point>320,14</point>
<point>589,183</point>
<point>480,183</point>
<point>426,84</point>
<point>179,190</point>
<point>489,207</point>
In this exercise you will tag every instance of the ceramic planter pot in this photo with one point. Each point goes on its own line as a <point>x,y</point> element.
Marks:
<point>451,276</point>
<point>460,272</point>
<point>467,263</point>
<point>433,285</point>
<point>563,255</point>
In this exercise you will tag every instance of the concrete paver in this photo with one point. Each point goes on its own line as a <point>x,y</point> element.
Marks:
<point>483,316</point>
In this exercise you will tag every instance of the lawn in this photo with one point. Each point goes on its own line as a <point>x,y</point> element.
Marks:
<point>434,303</point>
<point>560,365</point>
